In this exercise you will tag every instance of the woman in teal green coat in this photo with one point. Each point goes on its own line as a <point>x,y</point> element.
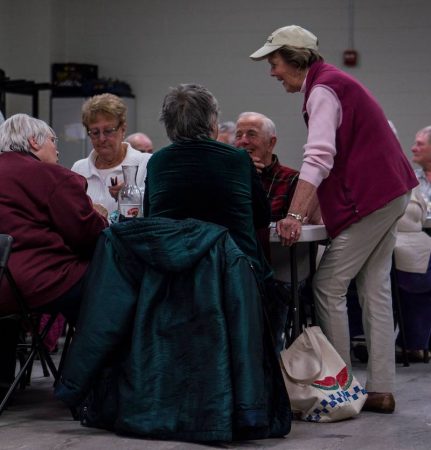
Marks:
<point>199,177</point>
<point>172,342</point>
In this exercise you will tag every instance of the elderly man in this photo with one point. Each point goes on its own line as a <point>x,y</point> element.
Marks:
<point>141,142</point>
<point>422,156</point>
<point>257,134</point>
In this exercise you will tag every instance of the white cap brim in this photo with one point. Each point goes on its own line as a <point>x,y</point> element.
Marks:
<point>264,51</point>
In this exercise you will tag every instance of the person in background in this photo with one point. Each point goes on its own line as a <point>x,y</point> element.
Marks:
<point>257,134</point>
<point>421,150</point>
<point>104,118</point>
<point>413,263</point>
<point>140,142</point>
<point>199,177</point>
<point>226,132</point>
<point>354,162</point>
<point>53,223</point>
<point>413,273</point>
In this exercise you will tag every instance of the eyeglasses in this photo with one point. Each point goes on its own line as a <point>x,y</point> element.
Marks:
<point>54,140</point>
<point>250,134</point>
<point>107,132</point>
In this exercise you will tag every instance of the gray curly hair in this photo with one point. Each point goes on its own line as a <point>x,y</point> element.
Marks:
<point>189,111</point>
<point>16,132</point>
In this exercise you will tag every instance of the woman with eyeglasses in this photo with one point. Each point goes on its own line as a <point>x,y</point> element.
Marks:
<point>104,117</point>
<point>55,227</point>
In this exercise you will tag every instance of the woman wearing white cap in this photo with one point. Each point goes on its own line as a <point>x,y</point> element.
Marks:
<point>363,181</point>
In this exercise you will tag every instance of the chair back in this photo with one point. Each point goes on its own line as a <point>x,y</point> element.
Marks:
<point>27,316</point>
<point>6,242</point>
<point>5,248</point>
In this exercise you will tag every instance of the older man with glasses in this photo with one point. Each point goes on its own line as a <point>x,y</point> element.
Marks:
<point>104,117</point>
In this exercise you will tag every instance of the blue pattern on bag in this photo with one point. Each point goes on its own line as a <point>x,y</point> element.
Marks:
<point>335,400</point>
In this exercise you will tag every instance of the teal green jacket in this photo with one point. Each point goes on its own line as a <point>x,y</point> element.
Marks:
<point>214,182</point>
<point>171,342</point>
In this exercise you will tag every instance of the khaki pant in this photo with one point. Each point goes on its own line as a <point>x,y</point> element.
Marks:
<point>362,251</point>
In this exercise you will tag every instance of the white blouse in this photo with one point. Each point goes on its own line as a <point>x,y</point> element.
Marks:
<point>99,180</point>
<point>413,246</point>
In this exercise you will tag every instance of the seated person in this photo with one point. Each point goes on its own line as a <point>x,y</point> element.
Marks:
<point>104,118</point>
<point>140,142</point>
<point>53,223</point>
<point>421,150</point>
<point>183,297</point>
<point>257,134</point>
<point>226,132</point>
<point>413,269</point>
<point>198,177</point>
<point>413,264</point>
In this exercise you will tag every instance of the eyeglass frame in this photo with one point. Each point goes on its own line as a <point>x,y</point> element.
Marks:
<point>107,133</point>
<point>54,140</point>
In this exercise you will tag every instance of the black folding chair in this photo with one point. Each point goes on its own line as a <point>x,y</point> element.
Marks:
<point>36,347</point>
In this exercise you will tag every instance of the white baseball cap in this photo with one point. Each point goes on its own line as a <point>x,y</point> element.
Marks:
<point>292,35</point>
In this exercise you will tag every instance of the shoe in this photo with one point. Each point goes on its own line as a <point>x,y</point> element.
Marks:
<point>380,402</point>
<point>360,352</point>
<point>413,356</point>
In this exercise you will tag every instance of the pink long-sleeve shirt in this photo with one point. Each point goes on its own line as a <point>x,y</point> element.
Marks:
<point>325,116</point>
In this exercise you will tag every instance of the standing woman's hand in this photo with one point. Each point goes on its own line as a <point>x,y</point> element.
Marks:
<point>289,230</point>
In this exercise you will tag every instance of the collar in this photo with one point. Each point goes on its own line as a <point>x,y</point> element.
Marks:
<point>90,168</point>
<point>33,155</point>
<point>420,173</point>
<point>274,165</point>
<point>304,84</point>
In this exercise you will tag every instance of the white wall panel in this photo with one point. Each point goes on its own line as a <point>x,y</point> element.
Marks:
<point>154,44</point>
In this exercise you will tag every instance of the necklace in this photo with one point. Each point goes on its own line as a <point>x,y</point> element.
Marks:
<point>109,164</point>
<point>272,183</point>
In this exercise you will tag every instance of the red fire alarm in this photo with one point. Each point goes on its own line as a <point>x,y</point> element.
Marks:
<point>350,57</point>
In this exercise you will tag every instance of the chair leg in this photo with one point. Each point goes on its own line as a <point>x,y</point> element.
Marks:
<point>67,341</point>
<point>43,364</point>
<point>21,359</point>
<point>398,313</point>
<point>17,380</point>
<point>45,357</point>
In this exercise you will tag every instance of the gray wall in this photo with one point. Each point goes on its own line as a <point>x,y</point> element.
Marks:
<point>154,44</point>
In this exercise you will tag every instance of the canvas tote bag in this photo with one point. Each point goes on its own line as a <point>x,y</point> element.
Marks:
<point>321,387</point>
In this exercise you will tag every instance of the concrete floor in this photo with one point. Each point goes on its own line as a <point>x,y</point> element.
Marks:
<point>37,421</point>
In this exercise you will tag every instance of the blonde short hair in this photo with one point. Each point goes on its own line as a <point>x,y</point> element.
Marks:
<point>105,104</point>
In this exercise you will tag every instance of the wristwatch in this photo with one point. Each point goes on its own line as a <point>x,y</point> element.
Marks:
<point>296,216</point>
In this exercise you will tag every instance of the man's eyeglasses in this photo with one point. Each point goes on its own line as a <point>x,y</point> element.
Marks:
<point>95,133</point>
<point>54,140</point>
